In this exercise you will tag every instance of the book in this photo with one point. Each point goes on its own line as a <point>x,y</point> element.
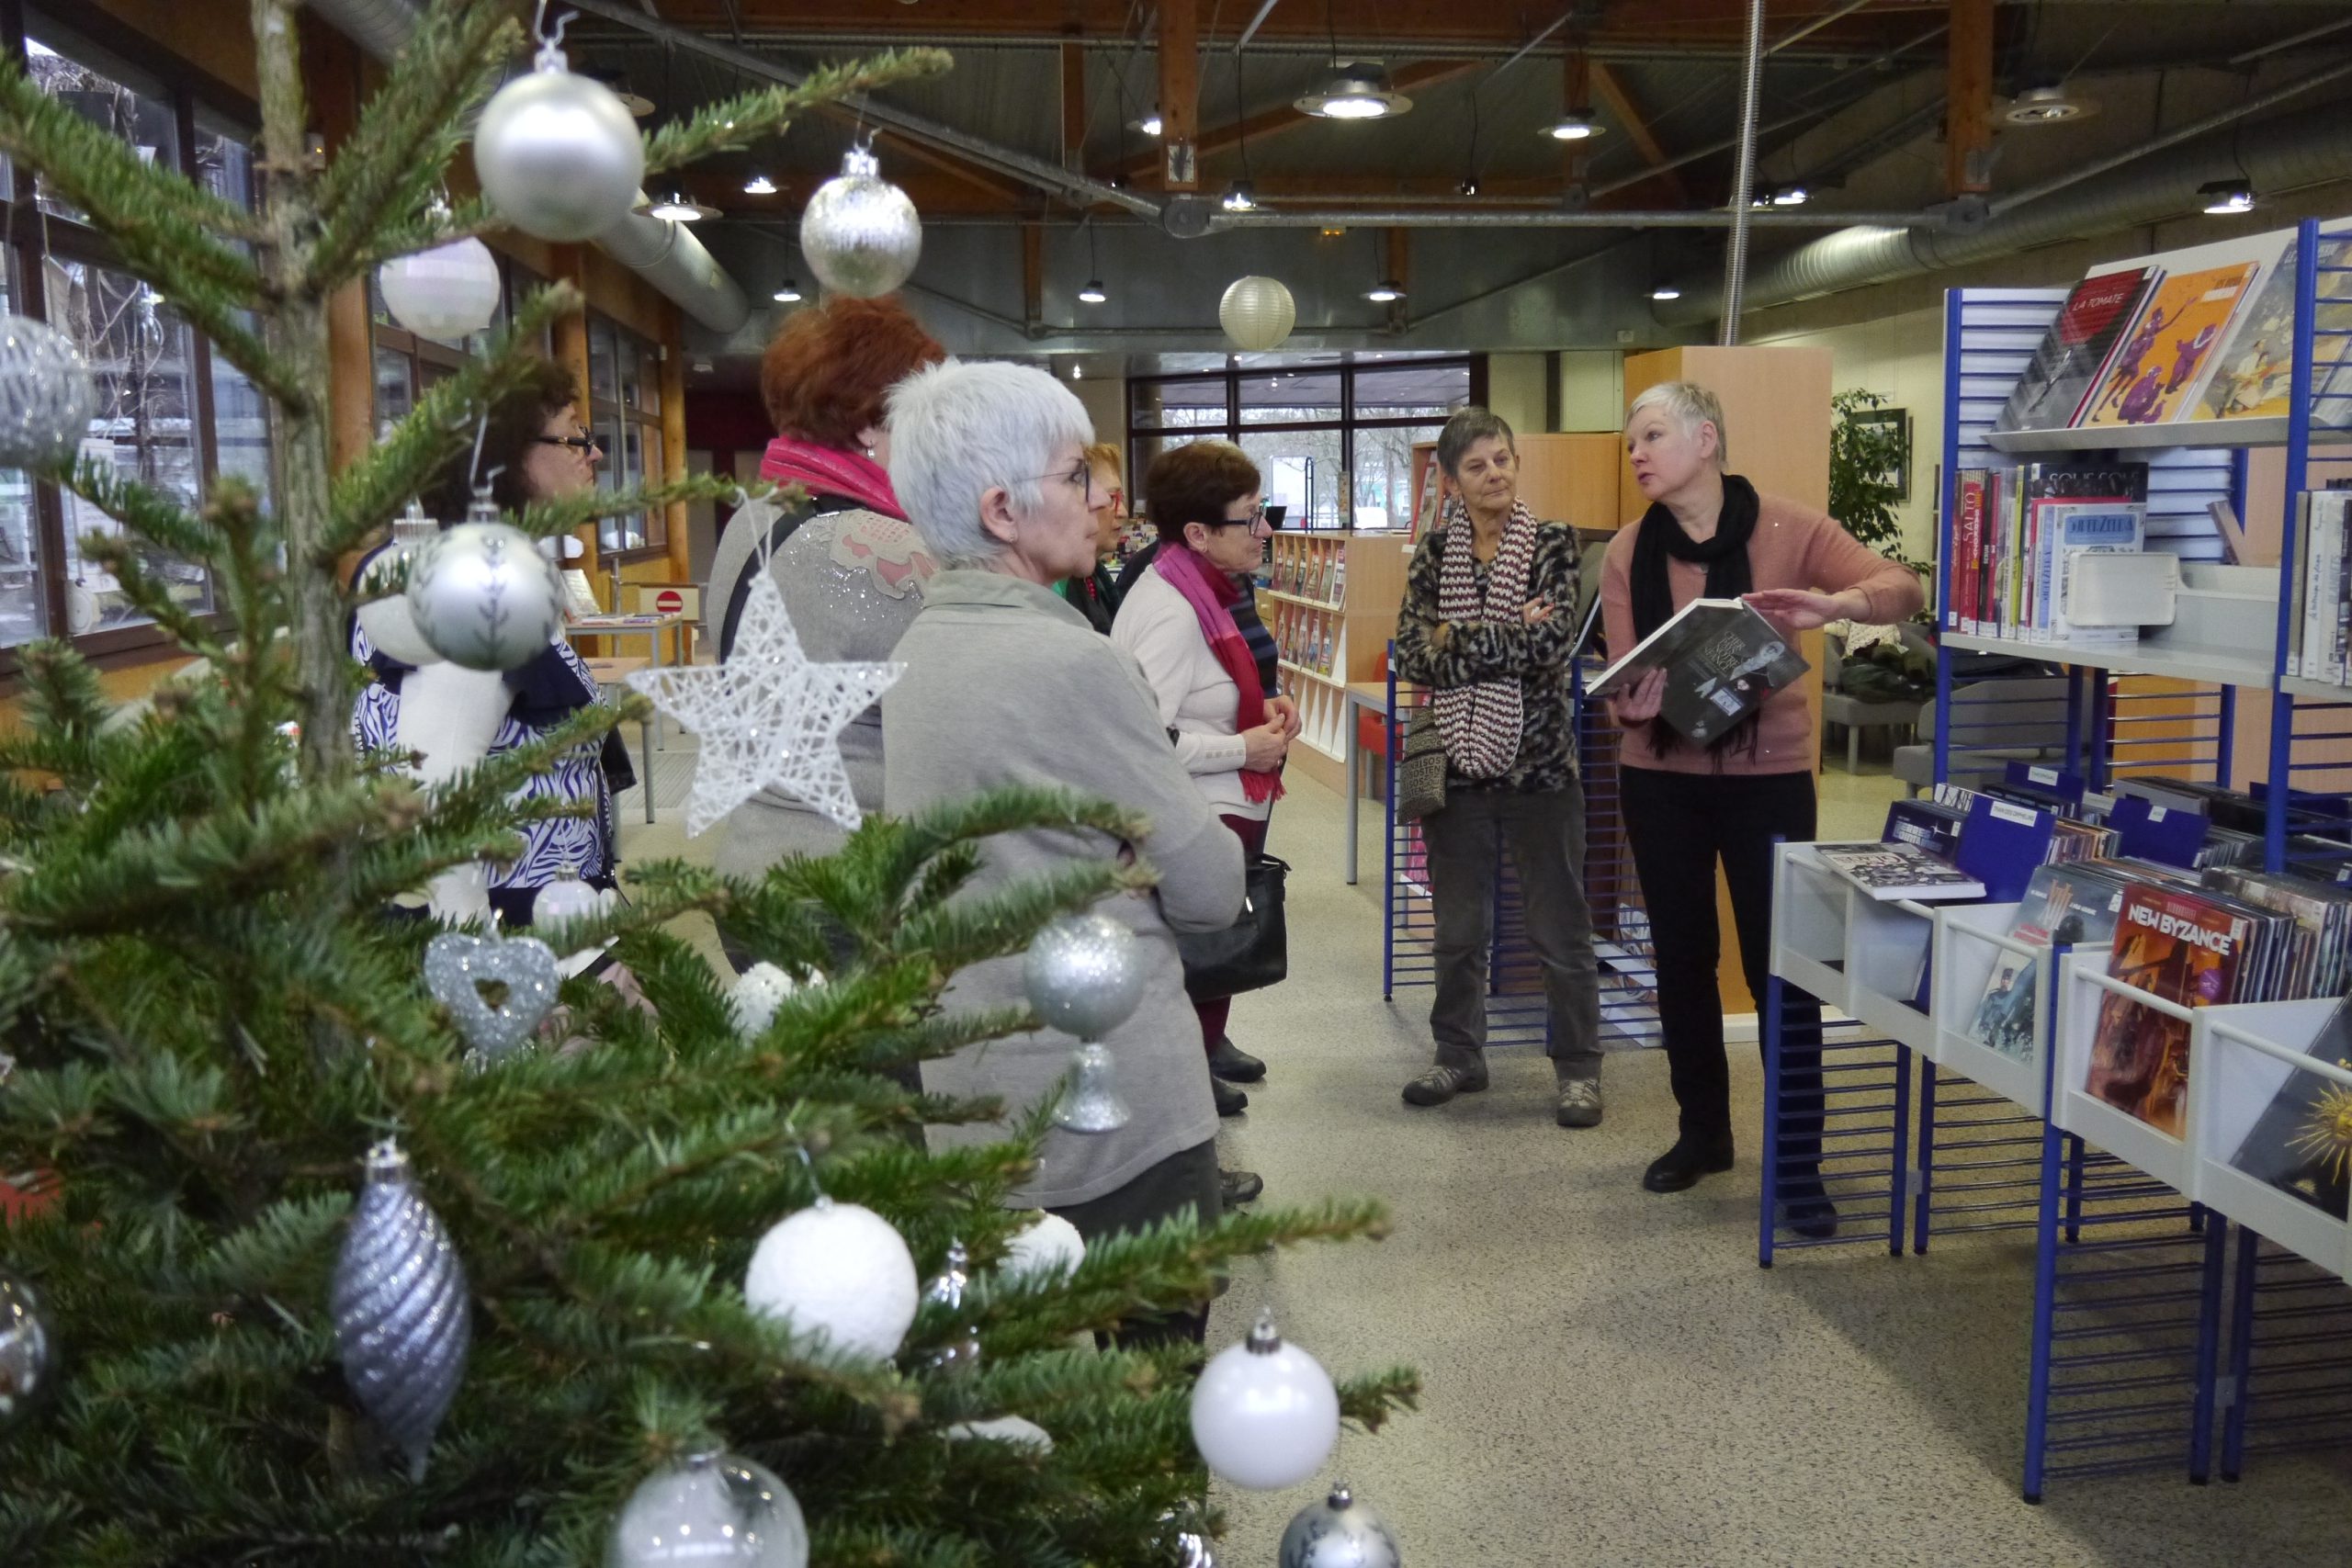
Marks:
<point>1968,541</point>
<point>2185,949</point>
<point>2166,357</point>
<point>2075,350</point>
<point>2299,1144</point>
<point>2063,905</point>
<point>1898,870</point>
<point>1722,659</point>
<point>2254,371</point>
<point>1926,824</point>
<point>2072,529</point>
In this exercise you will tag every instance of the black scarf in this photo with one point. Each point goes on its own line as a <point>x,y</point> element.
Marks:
<point>1728,577</point>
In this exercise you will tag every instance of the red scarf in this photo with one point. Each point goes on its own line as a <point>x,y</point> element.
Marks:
<point>1209,591</point>
<point>829,470</point>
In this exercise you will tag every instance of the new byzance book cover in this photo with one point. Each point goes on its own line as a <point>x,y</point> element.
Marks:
<point>2184,950</point>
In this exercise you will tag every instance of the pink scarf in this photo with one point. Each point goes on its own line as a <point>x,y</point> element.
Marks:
<point>829,470</point>
<point>1208,591</point>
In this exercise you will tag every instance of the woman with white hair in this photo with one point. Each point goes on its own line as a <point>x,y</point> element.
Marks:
<point>1006,684</point>
<point>1710,534</point>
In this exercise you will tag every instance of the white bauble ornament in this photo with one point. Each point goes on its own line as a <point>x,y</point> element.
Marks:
<point>1339,1532</point>
<point>1257,312</point>
<point>558,153</point>
<point>569,899</point>
<point>1049,1247</point>
<point>483,597</point>
<point>757,994</point>
<point>1004,1429</point>
<point>47,395</point>
<point>1084,975</point>
<point>838,1270</point>
<point>1264,1414</point>
<point>712,1508</point>
<point>443,293</point>
<point>859,231</point>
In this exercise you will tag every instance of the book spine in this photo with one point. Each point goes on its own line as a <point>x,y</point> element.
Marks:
<point>2032,614</point>
<point>2315,563</point>
<point>2340,607</point>
<point>1970,490</point>
<point>2301,580</point>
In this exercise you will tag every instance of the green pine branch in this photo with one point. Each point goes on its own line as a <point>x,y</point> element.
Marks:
<point>466,219</point>
<point>733,124</point>
<point>153,515</point>
<point>561,514</point>
<point>408,131</point>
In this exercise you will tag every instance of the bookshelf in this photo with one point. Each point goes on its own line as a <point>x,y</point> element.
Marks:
<point>1330,600</point>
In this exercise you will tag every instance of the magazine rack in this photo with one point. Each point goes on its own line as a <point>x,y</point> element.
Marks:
<point>1972,941</point>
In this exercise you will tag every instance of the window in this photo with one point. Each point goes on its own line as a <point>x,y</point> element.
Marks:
<point>171,415</point>
<point>625,416</point>
<point>1333,443</point>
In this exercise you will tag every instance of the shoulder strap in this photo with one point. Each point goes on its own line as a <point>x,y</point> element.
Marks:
<point>778,532</point>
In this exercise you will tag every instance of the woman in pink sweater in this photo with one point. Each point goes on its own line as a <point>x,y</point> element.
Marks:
<point>1709,534</point>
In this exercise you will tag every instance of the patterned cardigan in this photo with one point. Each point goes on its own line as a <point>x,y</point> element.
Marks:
<point>1439,653</point>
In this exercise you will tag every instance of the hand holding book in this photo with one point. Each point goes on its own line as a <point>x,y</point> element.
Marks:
<point>1640,702</point>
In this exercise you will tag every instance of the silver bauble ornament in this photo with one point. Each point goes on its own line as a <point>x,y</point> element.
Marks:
<point>859,231</point>
<point>1339,1532</point>
<point>1264,1414</point>
<point>402,1320</point>
<point>1188,1546</point>
<point>457,964</point>
<point>559,155</point>
<point>838,1270</point>
<point>1257,312</point>
<point>1090,1102</point>
<point>483,596</point>
<point>569,899</point>
<point>27,1351</point>
<point>444,293</point>
<point>1084,975</point>
<point>711,1509</point>
<point>47,395</point>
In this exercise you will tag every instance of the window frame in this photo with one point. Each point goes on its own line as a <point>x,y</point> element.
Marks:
<point>654,520</point>
<point>31,235</point>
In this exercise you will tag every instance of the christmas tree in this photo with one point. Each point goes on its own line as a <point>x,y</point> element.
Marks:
<point>211,1024</point>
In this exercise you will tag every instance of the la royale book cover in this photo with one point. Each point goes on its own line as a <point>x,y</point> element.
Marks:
<point>1722,657</point>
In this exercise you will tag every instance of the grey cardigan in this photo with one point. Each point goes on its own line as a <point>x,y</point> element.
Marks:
<point>1006,684</point>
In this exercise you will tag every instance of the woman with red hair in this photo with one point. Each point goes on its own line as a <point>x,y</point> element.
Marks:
<point>848,566</point>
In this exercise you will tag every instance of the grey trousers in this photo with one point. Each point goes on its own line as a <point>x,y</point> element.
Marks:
<point>1545,833</point>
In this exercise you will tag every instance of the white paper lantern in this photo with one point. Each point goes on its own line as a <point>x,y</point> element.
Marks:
<point>1258,313</point>
<point>839,1270</point>
<point>558,154</point>
<point>1264,1414</point>
<point>443,293</point>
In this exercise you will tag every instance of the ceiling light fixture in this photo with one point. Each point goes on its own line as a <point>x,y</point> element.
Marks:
<point>702,366</point>
<point>1238,197</point>
<point>1150,124</point>
<point>759,185</point>
<point>1790,196</point>
<point>1078,372</point>
<point>2047,105</point>
<point>2222,198</point>
<point>1467,187</point>
<point>1388,291</point>
<point>1665,291</point>
<point>1355,90</point>
<point>678,208</point>
<point>1574,126</point>
<point>788,293</point>
<point>1093,294</point>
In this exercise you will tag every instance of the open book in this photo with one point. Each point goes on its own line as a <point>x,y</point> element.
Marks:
<point>1722,659</point>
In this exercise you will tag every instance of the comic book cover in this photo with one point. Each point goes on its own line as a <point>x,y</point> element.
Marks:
<point>2075,904</point>
<point>2161,364</point>
<point>2254,375</point>
<point>2301,1143</point>
<point>2181,948</point>
<point>2065,368</point>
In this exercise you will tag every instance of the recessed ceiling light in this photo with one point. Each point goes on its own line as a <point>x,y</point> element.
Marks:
<point>2222,198</point>
<point>1666,291</point>
<point>1238,197</point>
<point>788,293</point>
<point>678,208</point>
<point>1388,291</point>
<point>759,185</point>
<point>1093,294</point>
<point>1790,196</point>
<point>702,366</point>
<point>2047,105</point>
<point>1358,90</point>
<point>1574,126</point>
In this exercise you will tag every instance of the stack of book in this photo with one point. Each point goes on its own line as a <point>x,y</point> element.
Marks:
<point>2319,607</point>
<point>2016,536</point>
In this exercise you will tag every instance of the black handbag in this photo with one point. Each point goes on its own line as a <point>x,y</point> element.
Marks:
<point>1250,954</point>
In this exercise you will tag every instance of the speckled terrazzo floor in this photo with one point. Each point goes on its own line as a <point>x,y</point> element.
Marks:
<point>1609,1378</point>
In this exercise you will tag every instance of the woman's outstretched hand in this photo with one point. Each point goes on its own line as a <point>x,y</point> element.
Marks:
<point>1797,609</point>
<point>1640,703</point>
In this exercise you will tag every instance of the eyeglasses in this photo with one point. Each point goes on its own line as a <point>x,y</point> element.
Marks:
<point>577,443</point>
<point>1080,478</point>
<point>1256,515</point>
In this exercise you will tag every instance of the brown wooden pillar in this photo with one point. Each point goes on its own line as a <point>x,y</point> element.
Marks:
<point>1968,99</point>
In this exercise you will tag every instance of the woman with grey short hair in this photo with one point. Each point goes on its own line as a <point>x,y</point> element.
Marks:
<point>1006,684</point>
<point>1486,625</point>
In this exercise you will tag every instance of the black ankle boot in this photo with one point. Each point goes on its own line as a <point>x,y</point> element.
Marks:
<point>1807,1207</point>
<point>1681,1166</point>
<point>1230,1102</point>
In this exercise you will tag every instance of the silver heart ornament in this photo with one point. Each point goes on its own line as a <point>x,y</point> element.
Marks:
<point>455,964</point>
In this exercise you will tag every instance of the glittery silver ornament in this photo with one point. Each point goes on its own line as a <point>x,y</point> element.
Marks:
<point>444,293</point>
<point>1339,1532</point>
<point>402,1320</point>
<point>1084,975</point>
<point>559,155</point>
<point>27,1352</point>
<point>457,962</point>
<point>47,395</point>
<point>709,1509</point>
<point>860,231</point>
<point>960,1351</point>
<point>483,596</point>
<point>1189,1547</point>
<point>1092,1102</point>
<point>1264,1414</point>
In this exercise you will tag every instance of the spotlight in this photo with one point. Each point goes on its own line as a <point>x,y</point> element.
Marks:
<point>1574,126</point>
<point>1666,291</point>
<point>1359,90</point>
<point>678,208</point>
<point>1467,187</point>
<point>1790,196</point>
<point>2047,105</point>
<point>1388,291</point>
<point>1150,124</point>
<point>1238,197</point>
<point>1093,294</point>
<point>2222,198</point>
<point>759,185</point>
<point>788,293</point>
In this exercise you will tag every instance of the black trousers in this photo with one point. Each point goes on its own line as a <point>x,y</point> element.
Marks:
<point>1679,826</point>
<point>1185,1180</point>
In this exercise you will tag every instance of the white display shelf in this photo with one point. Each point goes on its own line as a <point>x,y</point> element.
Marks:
<point>1886,943</point>
<point>2213,666</point>
<point>1310,674</point>
<point>1301,599</point>
<point>1970,939</point>
<point>2320,691</point>
<point>1809,908</point>
<point>2083,986</point>
<point>2240,1057</point>
<point>2267,431</point>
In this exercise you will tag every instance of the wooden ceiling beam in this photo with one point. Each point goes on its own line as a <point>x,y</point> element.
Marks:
<point>1609,89</point>
<point>1179,95</point>
<point>1968,99</point>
